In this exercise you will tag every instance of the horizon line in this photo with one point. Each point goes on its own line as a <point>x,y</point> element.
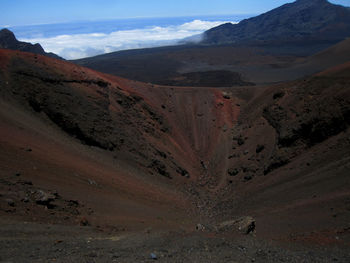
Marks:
<point>125,18</point>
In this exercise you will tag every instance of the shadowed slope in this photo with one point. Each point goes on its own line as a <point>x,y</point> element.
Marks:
<point>291,156</point>
<point>300,22</point>
<point>122,136</point>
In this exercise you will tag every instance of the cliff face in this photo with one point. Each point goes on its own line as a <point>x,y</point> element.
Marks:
<point>303,20</point>
<point>9,41</point>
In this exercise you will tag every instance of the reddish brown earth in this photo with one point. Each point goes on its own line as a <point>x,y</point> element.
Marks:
<point>124,156</point>
<point>35,146</point>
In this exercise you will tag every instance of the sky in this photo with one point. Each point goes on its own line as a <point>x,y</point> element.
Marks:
<point>82,28</point>
<point>80,45</point>
<point>29,12</point>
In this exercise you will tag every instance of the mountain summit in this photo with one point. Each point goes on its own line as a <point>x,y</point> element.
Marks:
<point>302,20</point>
<point>9,41</point>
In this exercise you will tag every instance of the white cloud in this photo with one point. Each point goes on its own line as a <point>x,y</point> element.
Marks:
<point>85,45</point>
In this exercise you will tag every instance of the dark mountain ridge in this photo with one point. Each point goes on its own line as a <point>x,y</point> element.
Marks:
<point>302,21</point>
<point>9,41</point>
<point>276,46</point>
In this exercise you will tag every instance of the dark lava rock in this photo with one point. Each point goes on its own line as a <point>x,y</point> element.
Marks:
<point>10,202</point>
<point>245,225</point>
<point>159,167</point>
<point>278,95</point>
<point>226,96</point>
<point>200,227</point>
<point>248,178</point>
<point>84,222</point>
<point>240,140</point>
<point>233,171</point>
<point>153,256</point>
<point>204,165</point>
<point>182,171</point>
<point>74,203</point>
<point>259,148</point>
<point>43,198</point>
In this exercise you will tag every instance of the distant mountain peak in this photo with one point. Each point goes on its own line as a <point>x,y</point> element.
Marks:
<point>312,1</point>
<point>302,20</point>
<point>5,31</point>
<point>8,40</point>
<point>307,3</point>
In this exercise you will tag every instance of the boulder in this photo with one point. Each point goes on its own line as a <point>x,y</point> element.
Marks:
<point>244,225</point>
<point>200,227</point>
<point>43,198</point>
<point>84,222</point>
<point>259,148</point>
<point>153,256</point>
<point>232,171</point>
<point>10,202</point>
<point>226,95</point>
<point>248,178</point>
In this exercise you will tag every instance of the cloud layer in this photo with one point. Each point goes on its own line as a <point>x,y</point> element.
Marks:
<point>85,45</point>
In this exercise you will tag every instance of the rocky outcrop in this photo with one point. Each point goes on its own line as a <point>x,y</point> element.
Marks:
<point>9,41</point>
<point>244,225</point>
<point>308,121</point>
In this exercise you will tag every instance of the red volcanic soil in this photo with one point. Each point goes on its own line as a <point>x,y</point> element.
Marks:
<point>82,147</point>
<point>32,143</point>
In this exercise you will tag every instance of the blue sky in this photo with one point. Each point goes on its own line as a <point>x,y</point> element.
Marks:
<point>25,12</point>
<point>83,28</point>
